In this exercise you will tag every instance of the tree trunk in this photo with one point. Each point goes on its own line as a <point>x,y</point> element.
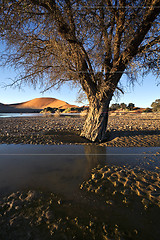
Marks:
<point>95,125</point>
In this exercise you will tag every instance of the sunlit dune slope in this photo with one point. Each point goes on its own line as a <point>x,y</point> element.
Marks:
<point>40,103</point>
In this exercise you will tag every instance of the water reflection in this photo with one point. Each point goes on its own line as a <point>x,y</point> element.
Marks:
<point>95,155</point>
<point>62,168</point>
<point>115,203</point>
<point>58,173</point>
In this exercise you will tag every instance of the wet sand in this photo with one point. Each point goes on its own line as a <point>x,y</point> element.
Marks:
<point>130,130</point>
<point>119,185</point>
<point>116,203</point>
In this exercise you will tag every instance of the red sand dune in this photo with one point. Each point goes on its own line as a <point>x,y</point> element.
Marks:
<point>40,103</point>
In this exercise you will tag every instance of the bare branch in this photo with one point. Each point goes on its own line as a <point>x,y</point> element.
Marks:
<point>149,44</point>
<point>55,40</point>
<point>149,17</point>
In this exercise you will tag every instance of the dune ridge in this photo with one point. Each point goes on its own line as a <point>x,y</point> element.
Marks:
<point>38,103</point>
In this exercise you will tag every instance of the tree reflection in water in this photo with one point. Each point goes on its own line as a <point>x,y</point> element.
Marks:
<point>95,156</point>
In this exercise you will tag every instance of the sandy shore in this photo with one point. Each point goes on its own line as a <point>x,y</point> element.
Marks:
<point>124,130</point>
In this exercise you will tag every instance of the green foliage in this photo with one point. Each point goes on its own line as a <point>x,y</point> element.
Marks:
<point>49,110</point>
<point>114,106</point>
<point>123,105</point>
<point>130,106</point>
<point>76,109</point>
<point>156,105</point>
<point>67,110</point>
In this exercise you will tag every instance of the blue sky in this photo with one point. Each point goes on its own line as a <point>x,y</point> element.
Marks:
<point>142,95</point>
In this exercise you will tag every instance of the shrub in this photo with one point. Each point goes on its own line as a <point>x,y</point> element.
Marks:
<point>123,105</point>
<point>83,113</point>
<point>49,110</point>
<point>67,110</point>
<point>57,113</point>
<point>130,106</point>
<point>156,105</point>
<point>114,106</point>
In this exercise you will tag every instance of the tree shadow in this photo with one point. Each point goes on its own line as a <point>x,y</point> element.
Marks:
<point>114,134</point>
<point>67,136</point>
<point>74,137</point>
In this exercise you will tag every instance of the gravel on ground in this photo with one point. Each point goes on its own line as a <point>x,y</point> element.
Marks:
<point>128,130</point>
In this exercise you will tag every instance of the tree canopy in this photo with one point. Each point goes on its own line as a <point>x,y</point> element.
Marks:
<point>90,43</point>
<point>156,105</point>
<point>47,39</point>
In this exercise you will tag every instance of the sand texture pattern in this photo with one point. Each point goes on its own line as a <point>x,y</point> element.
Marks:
<point>130,130</point>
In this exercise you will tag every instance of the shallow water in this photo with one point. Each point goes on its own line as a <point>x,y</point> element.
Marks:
<point>4,115</point>
<point>62,168</point>
<point>59,170</point>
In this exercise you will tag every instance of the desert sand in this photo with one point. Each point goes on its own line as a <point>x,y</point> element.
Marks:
<point>130,130</point>
<point>40,103</point>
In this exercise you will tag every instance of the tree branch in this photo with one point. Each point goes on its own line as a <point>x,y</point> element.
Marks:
<point>149,44</point>
<point>132,48</point>
<point>70,16</point>
<point>120,19</point>
<point>42,4</point>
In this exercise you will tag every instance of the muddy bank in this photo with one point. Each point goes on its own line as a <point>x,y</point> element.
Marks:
<point>123,131</point>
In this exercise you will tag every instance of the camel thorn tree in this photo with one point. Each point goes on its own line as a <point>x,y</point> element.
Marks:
<point>91,43</point>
